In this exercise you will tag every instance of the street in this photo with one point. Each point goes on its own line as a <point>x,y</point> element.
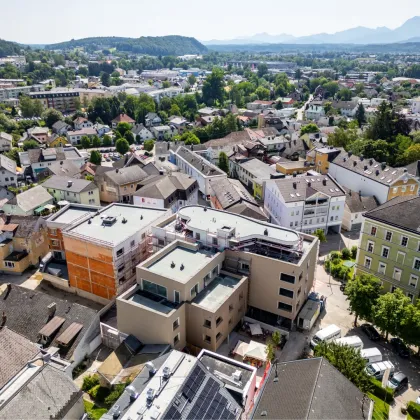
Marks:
<point>300,111</point>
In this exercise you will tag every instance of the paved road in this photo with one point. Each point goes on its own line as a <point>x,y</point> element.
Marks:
<point>300,111</point>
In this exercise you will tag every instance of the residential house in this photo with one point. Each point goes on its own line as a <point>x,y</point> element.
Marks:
<point>315,110</point>
<point>286,102</point>
<point>346,108</point>
<point>179,123</point>
<point>119,185</point>
<point>28,202</point>
<point>81,122</point>
<point>88,169</point>
<point>63,100</point>
<point>103,250</point>
<point>230,195</point>
<point>259,105</point>
<point>163,132</point>
<point>75,137</point>
<point>310,389</point>
<point>415,105</point>
<point>8,174</point>
<point>122,118</point>
<point>305,203</point>
<point>169,92</point>
<point>60,128</point>
<point>72,190</point>
<point>209,111</point>
<point>278,282</point>
<point>293,167</point>
<point>6,141</point>
<point>64,168</point>
<point>167,191</point>
<point>152,119</point>
<point>371,178</point>
<point>56,141</point>
<point>320,157</point>
<point>101,129</point>
<point>142,132</point>
<point>390,245</point>
<point>200,169</point>
<point>23,242</point>
<point>354,208</point>
<point>39,134</point>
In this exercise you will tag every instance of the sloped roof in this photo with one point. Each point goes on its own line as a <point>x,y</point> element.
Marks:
<point>32,198</point>
<point>357,203</point>
<point>7,164</point>
<point>64,168</point>
<point>63,183</point>
<point>126,175</point>
<point>5,136</point>
<point>26,225</point>
<point>123,118</point>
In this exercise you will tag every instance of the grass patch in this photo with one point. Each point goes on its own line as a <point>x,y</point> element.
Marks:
<point>380,409</point>
<point>94,412</point>
<point>409,417</point>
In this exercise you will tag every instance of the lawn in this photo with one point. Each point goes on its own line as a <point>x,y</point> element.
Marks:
<point>380,409</point>
<point>95,412</point>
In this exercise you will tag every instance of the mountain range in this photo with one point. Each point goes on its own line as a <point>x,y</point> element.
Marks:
<point>407,32</point>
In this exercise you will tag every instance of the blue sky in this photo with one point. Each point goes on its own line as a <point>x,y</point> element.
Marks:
<point>48,21</point>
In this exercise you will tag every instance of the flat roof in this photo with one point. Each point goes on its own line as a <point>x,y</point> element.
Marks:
<point>204,218</point>
<point>136,217</point>
<point>72,213</point>
<point>216,293</point>
<point>193,261</point>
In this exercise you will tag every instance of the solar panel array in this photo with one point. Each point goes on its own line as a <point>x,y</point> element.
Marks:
<point>193,383</point>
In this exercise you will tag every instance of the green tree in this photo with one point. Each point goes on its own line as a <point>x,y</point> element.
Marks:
<point>230,123</point>
<point>165,84</point>
<point>223,162</point>
<point>122,128</point>
<point>270,351</point>
<point>51,116</point>
<point>95,157</point>
<point>262,70</point>
<point>362,293</point>
<point>89,177</point>
<point>213,87</point>
<point>106,141</point>
<point>96,141</point>
<point>276,338</point>
<point>106,79</point>
<point>410,325</point>
<point>30,144</point>
<point>309,128</point>
<point>122,146</point>
<point>30,107</point>
<point>175,110</point>
<point>412,154</point>
<point>85,142</point>
<point>148,145</point>
<point>348,361</point>
<point>165,104</point>
<point>320,234</point>
<point>331,88</point>
<point>342,137</point>
<point>389,311</point>
<point>14,154</point>
<point>360,115</point>
<point>192,80</point>
<point>129,136</point>
<point>262,93</point>
<point>344,94</point>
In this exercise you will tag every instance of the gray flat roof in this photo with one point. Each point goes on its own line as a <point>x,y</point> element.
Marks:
<point>137,219</point>
<point>156,306</point>
<point>216,293</point>
<point>193,262</point>
<point>71,214</point>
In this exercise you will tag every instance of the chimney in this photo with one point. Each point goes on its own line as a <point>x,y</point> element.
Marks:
<point>361,158</point>
<point>383,165</point>
<point>3,320</point>
<point>377,172</point>
<point>324,181</point>
<point>8,218</point>
<point>69,184</point>
<point>51,309</point>
<point>370,162</point>
<point>354,163</point>
<point>309,184</point>
<point>365,167</point>
<point>295,185</point>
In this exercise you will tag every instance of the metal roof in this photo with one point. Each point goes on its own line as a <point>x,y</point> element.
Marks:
<point>52,326</point>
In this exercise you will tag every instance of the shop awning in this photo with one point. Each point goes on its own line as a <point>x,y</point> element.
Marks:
<point>241,348</point>
<point>50,206</point>
<point>256,351</point>
<point>255,329</point>
<point>39,209</point>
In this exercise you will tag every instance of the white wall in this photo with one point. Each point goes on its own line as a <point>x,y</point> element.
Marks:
<point>7,178</point>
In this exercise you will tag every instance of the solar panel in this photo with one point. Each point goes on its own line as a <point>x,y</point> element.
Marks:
<point>173,414</point>
<point>193,383</point>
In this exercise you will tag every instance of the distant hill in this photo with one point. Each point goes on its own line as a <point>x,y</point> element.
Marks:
<point>9,48</point>
<point>160,45</point>
<point>359,35</point>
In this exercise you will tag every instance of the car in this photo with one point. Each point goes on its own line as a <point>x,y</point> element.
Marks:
<point>108,159</point>
<point>371,332</point>
<point>398,382</point>
<point>400,347</point>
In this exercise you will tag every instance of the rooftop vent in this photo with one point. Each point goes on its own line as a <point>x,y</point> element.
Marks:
<point>383,165</point>
<point>109,220</point>
<point>89,221</point>
<point>150,394</point>
<point>377,172</point>
<point>266,232</point>
<point>151,368</point>
<point>51,309</point>
<point>182,267</point>
<point>69,184</point>
<point>172,264</point>
<point>365,167</point>
<point>361,158</point>
<point>324,182</point>
<point>141,217</point>
<point>132,392</point>
<point>405,170</point>
<point>370,162</point>
<point>309,184</point>
<point>350,153</point>
<point>237,375</point>
<point>294,185</point>
<point>354,163</point>
<point>124,220</point>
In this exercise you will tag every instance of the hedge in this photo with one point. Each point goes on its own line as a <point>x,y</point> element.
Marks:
<point>89,382</point>
<point>99,393</point>
<point>414,410</point>
<point>385,394</point>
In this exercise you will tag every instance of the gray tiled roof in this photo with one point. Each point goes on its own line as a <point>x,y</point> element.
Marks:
<point>27,225</point>
<point>357,203</point>
<point>402,212</point>
<point>126,175</point>
<point>258,168</point>
<point>48,395</point>
<point>37,155</point>
<point>8,164</point>
<point>198,162</point>
<point>310,389</point>
<point>65,168</point>
<point>63,183</point>
<point>32,198</point>
<point>15,352</point>
<point>27,313</point>
<point>303,187</point>
<point>5,136</point>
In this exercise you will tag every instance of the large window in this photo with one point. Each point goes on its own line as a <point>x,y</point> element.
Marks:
<point>388,236</point>
<point>285,307</point>
<point>413,280</point>
<point>370,246</point>
<point>286,292</point>
<point>381,268</point>
<point>373,231</point>
<point>287,278</point>
<point>368,262</point>
<point>176,296</point>
<point>404,240</point>
<point>194,290</point>
<point>154,288</point>
<point>416,264</point>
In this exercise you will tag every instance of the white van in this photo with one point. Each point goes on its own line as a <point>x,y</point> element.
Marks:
<point>353,341</point>
<point>378,369</point>
<point>327,334</point>
<point>372,355</point>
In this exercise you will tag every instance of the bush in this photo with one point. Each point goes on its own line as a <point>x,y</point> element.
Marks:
<point>335,256</point>
<point>116,393</point>
<point>345,253</point>
<point>354,251</point>
<point>327,266</point>
<point>89,382</point>
<point>385,394</point>
<point>335,270</point>
<point>414,410</point>
<point>99,393</point>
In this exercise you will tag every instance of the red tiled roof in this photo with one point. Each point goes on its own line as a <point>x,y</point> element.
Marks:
<point>123,118</point>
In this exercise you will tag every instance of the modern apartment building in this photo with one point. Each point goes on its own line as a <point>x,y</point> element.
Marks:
<point>62,100</point>
<point>390,245</point>
<point>103,249</point>
<point>278,262</point>
<point>305,203</point>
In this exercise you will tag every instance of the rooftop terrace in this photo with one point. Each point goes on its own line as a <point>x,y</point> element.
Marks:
<point>72,213</point>
<point>151,301</point>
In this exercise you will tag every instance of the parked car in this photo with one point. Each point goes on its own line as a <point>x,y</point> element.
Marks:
<point>371,332</point>
<point>398,382</point>
<point>400,347</point>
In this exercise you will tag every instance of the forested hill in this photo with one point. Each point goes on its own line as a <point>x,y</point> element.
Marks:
<point>160,45</point>
<point>9,48</point>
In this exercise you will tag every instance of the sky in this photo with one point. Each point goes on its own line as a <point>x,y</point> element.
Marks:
<point>50,21</point>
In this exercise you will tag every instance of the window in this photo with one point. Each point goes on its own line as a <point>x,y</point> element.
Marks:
<point>286,292</point>
<point>287,278</point>
<point>218,320</point>
<point>296,223</point>
<point>207,323</point>
<point>333,207</point>
<point>413,280</point>
<point>388,236</point>
<point>218,336</point>
<point>121,268</point>
<point>231,308</point>
<point>385,251</point>
<point>395,190</point>
<point>373,230</point>
<point>400,257</point>
<point>175,324</point>
<point>230,321</point>
<point>245,267</point>
<point>416,264</point>
<point>404,240</point>
<point>214,240</point>
<point>120,252</point>
<point>54,242</point>
<point>176,296</point>
<point>285,307</point>
<point>412,187</point>
<point>411,296</point>
<point>381,268</point>
<point>297,211</point>
<point>291,224</point>
<point>194,290</point>
<point>154,288</point>
<point>9,264</point>
<point>176,339</point>
<point>336,217</point>
<point>403,189</point>
<point>53,232</point>
<point>161,242</point>
<point>292,213</point>
<point>132,243</point>
<point>197,236</point>
<point>397,274</point>
<point>207,339</point>
<point>370,246</point>
<point>368,262</point>
<point>332,219</point>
